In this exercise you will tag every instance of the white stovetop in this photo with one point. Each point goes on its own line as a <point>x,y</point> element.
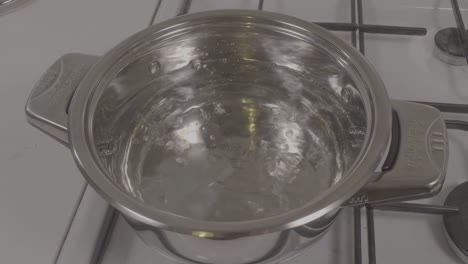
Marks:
<point>39,183</point>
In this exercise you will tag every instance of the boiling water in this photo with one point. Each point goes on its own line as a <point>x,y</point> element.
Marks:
<point>237,140</point>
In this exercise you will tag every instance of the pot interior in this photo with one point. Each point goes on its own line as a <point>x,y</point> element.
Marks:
<point>230,122</point>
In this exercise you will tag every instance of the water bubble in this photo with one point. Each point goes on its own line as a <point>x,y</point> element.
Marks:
<point>218,109</point>
<point>179,121</point>
<point>162,198</point>
<point>257,208</point>
<point>181,161</point>
<point>289,133</point>
<point>105,152</point>
<point>154,67</point>
<point>204,66</point>
<point>170,144</point>
<point>181,147</point>
<point>204,114</point>
<point>104,149</point>
<point>284,147</point>
<point>196,64</point>
<point>212,137</point>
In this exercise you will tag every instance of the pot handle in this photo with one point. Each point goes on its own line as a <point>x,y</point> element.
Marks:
<point>455,115</point>
<point>47,105</point>
<point>416,164</point>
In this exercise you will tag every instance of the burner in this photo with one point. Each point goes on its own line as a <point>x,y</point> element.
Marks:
<point>456,224</point>
<point>8,5</point>
<point>449,47</point>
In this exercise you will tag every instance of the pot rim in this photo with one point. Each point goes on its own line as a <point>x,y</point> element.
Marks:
<point>365,167</point>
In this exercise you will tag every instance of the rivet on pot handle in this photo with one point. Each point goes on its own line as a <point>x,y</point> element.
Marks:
<point>419,166</point>
<point>47,106</point>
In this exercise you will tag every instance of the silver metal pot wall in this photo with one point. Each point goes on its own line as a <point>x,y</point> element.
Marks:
<point>237,136</point>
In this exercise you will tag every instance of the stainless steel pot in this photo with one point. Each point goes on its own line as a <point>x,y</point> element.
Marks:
<point>237,136</point>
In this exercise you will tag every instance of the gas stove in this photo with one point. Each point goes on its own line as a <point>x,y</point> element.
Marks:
<point>417,48</point>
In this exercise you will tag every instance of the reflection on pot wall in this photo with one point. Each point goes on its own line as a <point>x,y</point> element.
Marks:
<point>259,249</point>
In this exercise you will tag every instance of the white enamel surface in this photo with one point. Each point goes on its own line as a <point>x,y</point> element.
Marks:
<point>39,182</point>
<point>87,223</point>
<point>405,63</point>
